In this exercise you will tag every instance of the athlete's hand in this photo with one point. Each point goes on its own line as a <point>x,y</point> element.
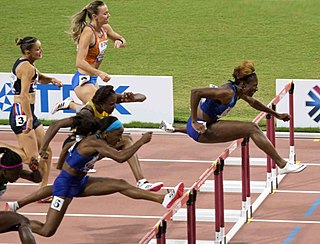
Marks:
<point>56,82</point>
<point>104,76</point>
<point>127,97</point>
<point>284,116</point>
<point>28,126</point>
<point>34,164</point>
<point>131,97</point>
<point>146,137</point>
<point>43,153</point>
<point>199,127</point>
<point>120,44</point>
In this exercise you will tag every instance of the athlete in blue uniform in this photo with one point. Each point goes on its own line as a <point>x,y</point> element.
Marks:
<point>208,105</point>
<point>73,181</point>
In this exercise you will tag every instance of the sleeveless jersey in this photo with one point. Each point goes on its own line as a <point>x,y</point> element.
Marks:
<point>16,82</point>
<point>217,110</point>
<point>97,51</point>
<point>78,162</point>
<point>95,111</point>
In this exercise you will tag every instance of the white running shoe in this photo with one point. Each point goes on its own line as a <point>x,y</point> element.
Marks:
<point>164,125</point>
<point>292,168</point>
<point>145,185</point>
<point>11,206</point>
<point>61,105</point>
<point>173,195</point>
<point>92,170</point>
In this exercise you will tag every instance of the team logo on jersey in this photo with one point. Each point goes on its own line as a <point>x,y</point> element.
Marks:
<point>6,97</point>
<point>314,94</point>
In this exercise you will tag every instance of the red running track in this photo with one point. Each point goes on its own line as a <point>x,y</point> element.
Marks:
<point>291,214</point>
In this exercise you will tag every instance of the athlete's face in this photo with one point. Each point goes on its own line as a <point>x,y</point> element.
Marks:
<point>103,15</point>
<point>251,88</point>
<point>36,51</point>
<point>12,175</point>
<point>110,104</point>
<point>113,137</point>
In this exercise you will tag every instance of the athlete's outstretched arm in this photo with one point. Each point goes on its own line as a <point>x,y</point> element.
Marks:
<point>51,132</point>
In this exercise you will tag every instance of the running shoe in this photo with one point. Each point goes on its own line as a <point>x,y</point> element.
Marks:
<point>146,185</point>
<point>173,195</point>
<point>46,200</point>
<point>11,206</point>
<point>61,105</point>
<point>292,168</point>
<point>92,170</point>
<point>164,125</point>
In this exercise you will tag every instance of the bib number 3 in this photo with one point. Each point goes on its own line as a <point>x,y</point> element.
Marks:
<point>21,120</point>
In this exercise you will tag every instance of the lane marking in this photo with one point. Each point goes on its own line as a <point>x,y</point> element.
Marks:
<point>291,235</point>
<point>294,191</point>
<point>97,215</point>
<point>285,221</point>
<point>194,161</point>
<point>313,207</point>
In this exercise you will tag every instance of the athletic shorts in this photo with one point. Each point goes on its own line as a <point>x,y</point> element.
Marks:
<point>79,79</point>
<point>191,131</point>
<point>66,185</point>
<point>18,119</point>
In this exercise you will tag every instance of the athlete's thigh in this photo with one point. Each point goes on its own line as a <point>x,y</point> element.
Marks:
<point>103,186</point>
<point>56,212</point>
<point>225,130</point>
<point>28,142</point>
<point>85,92</point>
<point>39,131</point>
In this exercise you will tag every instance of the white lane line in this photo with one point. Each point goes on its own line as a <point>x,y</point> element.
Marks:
<point>98,215</point>
<point>285,221</point>
<point>293,191</point>
<point>229,161</point>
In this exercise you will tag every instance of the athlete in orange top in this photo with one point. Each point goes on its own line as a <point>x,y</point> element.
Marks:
<point>92,41</point>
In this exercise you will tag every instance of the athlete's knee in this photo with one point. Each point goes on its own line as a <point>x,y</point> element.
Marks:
<point>48,231</point>
<point>254,128</point>
<point>123,183</point>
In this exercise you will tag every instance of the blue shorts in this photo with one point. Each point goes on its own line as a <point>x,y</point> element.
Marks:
<point>79,79</point>
<point>66,185</point>
<point>191,131</point>
<point>18,119</point>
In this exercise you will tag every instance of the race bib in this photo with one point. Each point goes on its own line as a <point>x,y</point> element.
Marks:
<point>57,203</point>
<point>83,79</point>
<point>102,49</point>
<point>21,120</point>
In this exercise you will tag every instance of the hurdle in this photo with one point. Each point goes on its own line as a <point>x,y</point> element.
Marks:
<point>216,168</point>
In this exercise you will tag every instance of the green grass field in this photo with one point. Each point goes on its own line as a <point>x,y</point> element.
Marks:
<point>196,42</point>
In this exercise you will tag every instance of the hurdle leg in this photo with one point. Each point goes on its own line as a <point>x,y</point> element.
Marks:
<point>292,154</point>
<point>248,189</point>
<point>221,195</point>
<point>191,216</point>
<point>269,175</point>
<point>244,171</point>
<point>273,141</point>
<point>161,235</point>
<point>217,204</point>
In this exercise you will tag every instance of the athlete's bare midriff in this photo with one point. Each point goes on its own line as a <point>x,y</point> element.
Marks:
<point>32,98</point>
